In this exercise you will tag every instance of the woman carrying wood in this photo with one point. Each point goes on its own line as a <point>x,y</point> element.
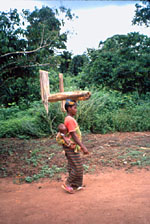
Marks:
<point>75,166</point>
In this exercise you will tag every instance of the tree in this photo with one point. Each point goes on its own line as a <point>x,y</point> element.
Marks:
<point>27,44</point>
<point>77,64</point>
<point>142,14</point>
<point>122,63</point>
<point>65,61</point>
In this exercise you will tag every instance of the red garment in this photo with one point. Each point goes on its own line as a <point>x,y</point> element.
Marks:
<point>70,123</point>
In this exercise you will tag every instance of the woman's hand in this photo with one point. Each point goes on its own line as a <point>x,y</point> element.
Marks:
<point>85,151</point>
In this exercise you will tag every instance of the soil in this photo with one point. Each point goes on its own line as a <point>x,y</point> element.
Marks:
<point>117,179</point>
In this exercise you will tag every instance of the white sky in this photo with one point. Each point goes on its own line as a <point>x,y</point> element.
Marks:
<point>98,20</point>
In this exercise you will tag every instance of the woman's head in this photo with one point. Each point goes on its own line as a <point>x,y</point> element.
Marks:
<point>71,106</point>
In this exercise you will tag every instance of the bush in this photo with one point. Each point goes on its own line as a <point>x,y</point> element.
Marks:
<point>105,111</point>
<point>111,111</point>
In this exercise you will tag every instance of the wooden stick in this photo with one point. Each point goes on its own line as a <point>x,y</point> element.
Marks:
<point>61,88</point>
<point>77,95</point>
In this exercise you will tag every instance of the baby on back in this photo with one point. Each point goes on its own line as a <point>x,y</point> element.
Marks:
<point>64,138</point>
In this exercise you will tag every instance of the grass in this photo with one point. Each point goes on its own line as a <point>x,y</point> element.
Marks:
<point>32,159</point>
<point>45,171</point>
<point>138,157</point>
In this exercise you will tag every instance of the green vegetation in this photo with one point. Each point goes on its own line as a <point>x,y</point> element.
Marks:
<point>45,171</point>
<point>105,111</point>
<point>28,42</point>
<point>33,40</point>
<point>142,13</point>
<point>136,157</point>
<point>121,63</point>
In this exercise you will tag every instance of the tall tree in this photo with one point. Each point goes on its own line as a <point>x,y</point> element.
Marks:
<point>77,64</point>
<point>65,61</point>
<point>27,43</point>
<point>142,14</point>
<point>122,63</point>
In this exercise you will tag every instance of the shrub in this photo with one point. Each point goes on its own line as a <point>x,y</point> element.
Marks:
<point>105,111</point>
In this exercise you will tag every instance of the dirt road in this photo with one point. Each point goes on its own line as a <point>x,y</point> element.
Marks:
<point>112,197</point>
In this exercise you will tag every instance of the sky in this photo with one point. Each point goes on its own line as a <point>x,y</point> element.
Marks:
<point>97,20</point>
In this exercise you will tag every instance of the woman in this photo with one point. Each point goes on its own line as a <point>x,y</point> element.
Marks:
<point>75,166</point>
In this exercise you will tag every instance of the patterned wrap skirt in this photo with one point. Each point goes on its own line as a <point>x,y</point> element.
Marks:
<point>75,167</point>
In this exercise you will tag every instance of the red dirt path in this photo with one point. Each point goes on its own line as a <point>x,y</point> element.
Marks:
<point>110,197</point>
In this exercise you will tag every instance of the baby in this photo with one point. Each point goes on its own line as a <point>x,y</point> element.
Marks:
<point>63,138</point>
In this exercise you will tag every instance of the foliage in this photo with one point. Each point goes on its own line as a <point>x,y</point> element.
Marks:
<point>142,13</point>
<point>28,41</point>
<point>77,63</point>
<point>46,171</point>
<point>65,61</point>
<point>121,63</point>
<point>32,122</point>
<point>136,156</point>
<point>72,65</point>
<point>32,40</point>
<point>105,111</point>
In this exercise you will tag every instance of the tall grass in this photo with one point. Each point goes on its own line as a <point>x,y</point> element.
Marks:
<point>32,122</point>
<point>111,111</point>
<point>105,111</point>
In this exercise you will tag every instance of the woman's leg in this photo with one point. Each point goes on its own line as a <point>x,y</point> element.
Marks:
<point>75,169</point>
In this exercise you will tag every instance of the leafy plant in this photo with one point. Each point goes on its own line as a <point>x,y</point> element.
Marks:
<point>45,171</point>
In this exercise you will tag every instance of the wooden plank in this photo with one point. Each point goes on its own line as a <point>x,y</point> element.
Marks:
<point>45,90</point>
<point>76,95</point>
<point>61,89</point>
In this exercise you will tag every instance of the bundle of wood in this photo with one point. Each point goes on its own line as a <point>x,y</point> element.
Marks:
<point>60,96</point>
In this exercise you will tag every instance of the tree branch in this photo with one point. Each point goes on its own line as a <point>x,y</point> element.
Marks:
<point>29,66</point>
<point>25,52</point>
<point>42,37</point>
<point>35,50</point>
<point>25,66</point>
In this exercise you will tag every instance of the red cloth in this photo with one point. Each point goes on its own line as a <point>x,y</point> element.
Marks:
<point>70,123</point>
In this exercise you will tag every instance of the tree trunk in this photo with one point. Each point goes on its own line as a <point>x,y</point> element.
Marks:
<point>76,95</point>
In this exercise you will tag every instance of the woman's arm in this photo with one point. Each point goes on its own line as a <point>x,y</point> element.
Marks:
<point>77,141</point>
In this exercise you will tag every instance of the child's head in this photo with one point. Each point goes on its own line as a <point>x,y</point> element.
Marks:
<point>62,129</point>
